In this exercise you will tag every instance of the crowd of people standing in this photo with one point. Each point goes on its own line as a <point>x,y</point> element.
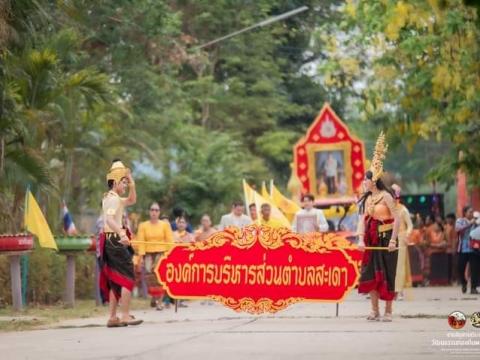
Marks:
<point>443,250</point>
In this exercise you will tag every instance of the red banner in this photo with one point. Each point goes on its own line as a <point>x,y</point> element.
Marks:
<point>260,269</point>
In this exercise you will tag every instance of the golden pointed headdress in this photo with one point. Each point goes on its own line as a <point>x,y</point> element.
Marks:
<point>376,165</point>
<point>117,172</point>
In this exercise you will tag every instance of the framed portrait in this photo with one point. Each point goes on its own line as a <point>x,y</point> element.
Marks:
<point>329,161</point>
<point>330,170</point>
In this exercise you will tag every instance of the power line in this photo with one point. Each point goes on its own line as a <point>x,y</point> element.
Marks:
<point>257,25</point>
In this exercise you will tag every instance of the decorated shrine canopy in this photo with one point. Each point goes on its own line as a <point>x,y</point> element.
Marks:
<point>261,269</point>
<point>329,160</point>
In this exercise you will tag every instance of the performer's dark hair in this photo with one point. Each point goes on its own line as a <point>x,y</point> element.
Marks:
<point>115,160</point>
<point>309,197</point>
<point>252,205</point>
<point>380,186</point>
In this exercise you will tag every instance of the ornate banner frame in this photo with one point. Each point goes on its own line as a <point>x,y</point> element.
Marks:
<point>328,133</point>
<point>261,269</point>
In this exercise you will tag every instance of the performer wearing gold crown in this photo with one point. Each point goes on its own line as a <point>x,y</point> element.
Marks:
<point>115,251</point>
<point>378,227</point>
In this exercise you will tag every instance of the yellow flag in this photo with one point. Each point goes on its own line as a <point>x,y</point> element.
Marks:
<point>339,211</point>
<point>287,206</point>
<point>251,196</point>
<point>247,193</point>
<point>265,193</point>
<point>35,223</point>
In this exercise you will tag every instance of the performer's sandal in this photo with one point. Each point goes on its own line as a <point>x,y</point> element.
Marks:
<point>374,316</point>
<point>387,317</point>
<point>115,323</point>
<point>132,321</point>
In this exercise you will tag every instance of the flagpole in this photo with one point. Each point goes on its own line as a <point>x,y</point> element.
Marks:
<point>25,209</point>
<point>246,197</point>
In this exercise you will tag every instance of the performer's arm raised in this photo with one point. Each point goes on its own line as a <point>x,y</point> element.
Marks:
<point>132,193</point>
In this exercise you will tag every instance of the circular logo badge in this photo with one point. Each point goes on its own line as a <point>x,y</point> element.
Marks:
<point>475,319</point>
<point>457,320</point>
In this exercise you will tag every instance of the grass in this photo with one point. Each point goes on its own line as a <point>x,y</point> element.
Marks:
<point>40,316</point>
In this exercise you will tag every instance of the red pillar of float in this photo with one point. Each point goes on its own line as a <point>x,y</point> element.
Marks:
<point>476,198</point>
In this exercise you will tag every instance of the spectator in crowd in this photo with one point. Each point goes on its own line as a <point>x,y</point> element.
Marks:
<point>309,219</point>
<point>206,230</point>
<point>437,252</point>
<point>235,218</point>
<point>429,228</point>
<point>181,235</point>
<point>452,239</point>
<point>466,255</point>
<point>155,237</point>
<point>415,250</point>
<point>266,211</point>
<point>253,212</point>
<point>417,236</point>
<point>177,213</point>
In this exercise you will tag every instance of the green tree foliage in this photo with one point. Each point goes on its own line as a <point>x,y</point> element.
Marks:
<point>418,64</point>
<point>83,82</point>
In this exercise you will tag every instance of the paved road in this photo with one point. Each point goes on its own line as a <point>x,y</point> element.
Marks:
<point>303,331</point>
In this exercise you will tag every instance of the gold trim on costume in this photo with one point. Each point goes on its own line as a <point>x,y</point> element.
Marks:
<point>385,227</point>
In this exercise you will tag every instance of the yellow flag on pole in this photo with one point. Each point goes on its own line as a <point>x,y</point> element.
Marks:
<point>251,196</point>
<point>265,193</point>
<point>35,223</point>
<point>287,206</point>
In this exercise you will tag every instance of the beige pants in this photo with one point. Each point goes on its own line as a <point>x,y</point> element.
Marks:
<point>403,277</point>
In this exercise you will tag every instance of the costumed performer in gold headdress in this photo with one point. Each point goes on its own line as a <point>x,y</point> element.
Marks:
<point>378,227</point>
<point>117,277</point>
